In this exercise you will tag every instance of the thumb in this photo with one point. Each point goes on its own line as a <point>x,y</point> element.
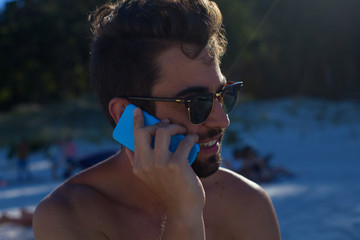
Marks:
<point>130,155</point>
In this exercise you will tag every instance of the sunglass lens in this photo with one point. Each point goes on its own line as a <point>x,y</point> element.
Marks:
<point>200,108</point>
<point>230,98</point>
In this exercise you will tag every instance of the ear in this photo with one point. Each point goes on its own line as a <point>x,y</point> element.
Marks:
<point>116,107</point>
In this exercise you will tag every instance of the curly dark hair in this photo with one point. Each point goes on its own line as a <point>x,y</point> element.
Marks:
<point>129,35</point>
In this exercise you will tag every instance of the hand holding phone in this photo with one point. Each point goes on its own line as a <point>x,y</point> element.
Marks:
<point>124,134</point>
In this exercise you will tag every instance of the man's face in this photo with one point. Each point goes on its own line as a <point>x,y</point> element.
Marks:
<point>183,77</point>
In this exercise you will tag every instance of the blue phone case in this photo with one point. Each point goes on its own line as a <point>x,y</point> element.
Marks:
<point>123,132</point>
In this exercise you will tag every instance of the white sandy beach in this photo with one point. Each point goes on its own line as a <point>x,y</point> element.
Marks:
<point>318,140</point>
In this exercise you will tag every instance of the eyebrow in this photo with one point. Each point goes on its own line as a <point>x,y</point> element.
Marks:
<point>191,90</point>
<point>197,89</point>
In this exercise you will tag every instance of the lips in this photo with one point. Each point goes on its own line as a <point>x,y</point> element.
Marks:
<point>210,142</point>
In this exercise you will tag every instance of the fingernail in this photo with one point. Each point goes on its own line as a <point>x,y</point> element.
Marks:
<point>136,112</point>
<point>195,136</point>
<point>165,120</point>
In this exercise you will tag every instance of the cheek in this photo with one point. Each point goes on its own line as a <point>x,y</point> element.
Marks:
<point>176,113</point>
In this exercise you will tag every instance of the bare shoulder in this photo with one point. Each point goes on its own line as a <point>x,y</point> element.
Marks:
<point>235,186</point>
<point>60,215</point>
<point>242,204</point>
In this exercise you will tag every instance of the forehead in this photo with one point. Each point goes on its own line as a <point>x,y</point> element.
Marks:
<point>178,72</point>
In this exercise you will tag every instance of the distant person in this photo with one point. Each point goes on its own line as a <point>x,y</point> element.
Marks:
<point>69,152</point>
<point>25,218</point>
<point>3,182</point>
<point>257,168</point>
<point>22,150</point>
<point>55,155</point>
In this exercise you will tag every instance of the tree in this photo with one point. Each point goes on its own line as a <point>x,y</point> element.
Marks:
<point>44,49</point>
<point>279,48</point>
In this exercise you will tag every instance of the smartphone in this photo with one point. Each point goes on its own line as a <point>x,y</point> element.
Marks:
<point>123,132</point>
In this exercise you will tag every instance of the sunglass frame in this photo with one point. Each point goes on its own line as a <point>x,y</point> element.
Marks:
<point>187,100</point>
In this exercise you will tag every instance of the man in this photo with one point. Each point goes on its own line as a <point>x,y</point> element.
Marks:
<point>23,170</point>
<point>151,54</point>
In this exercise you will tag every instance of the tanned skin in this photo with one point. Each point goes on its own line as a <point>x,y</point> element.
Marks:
<point>152,193</point>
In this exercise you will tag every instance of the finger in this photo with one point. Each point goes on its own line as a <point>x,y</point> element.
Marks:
<point>185,146</point>
<point>138,118</point>
<point>130,155</point>
<point>164,121</point>
<point>136,165</point>
<point>142,135</point>
<point>163,136</point>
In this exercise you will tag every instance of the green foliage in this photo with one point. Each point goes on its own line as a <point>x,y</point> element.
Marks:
<point>44,50</point>
<point>304,47</point>
<point>279,48</point>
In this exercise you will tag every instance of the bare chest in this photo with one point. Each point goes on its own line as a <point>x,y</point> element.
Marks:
<point>134,226</point>
<point>143,226</point>
<point>153,228</point>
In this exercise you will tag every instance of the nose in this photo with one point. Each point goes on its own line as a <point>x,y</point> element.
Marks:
<point>217,118</point>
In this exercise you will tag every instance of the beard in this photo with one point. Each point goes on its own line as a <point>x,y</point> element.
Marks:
<point>206,168</point>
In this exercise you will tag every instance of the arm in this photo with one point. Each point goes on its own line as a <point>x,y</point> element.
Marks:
<point>55,219</point>
<point>258,219</point>
<point>262,223</point>
<point>246,211</point>
<point>53,222</point>
<point>170,177</point>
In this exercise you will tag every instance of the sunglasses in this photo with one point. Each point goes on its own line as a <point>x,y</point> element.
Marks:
<point>200,106</point>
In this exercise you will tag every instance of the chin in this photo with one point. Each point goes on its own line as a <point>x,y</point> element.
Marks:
<point>207,167</point>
